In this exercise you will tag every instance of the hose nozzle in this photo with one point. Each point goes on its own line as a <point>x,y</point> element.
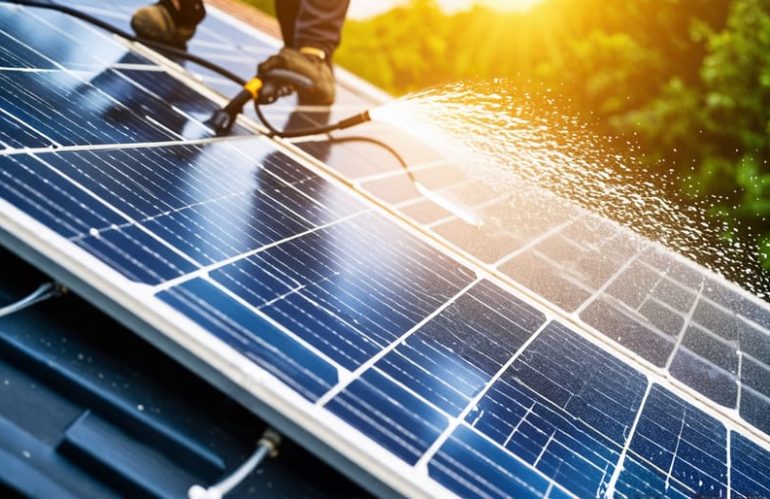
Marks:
<point>357,119</point>
<point>263,90</point>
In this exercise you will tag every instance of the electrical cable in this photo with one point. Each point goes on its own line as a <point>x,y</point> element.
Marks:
<point>42,293</point>
<point>267,446</point>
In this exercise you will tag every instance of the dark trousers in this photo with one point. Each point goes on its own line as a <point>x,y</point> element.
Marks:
<point>312,23</point>
<point>304,23</point>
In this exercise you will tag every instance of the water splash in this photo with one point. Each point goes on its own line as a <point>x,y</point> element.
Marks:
<point>513,140</point>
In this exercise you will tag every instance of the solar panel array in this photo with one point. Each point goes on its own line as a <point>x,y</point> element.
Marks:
<point>550,354</point>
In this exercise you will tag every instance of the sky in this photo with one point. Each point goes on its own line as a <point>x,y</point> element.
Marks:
<point>365,8</point>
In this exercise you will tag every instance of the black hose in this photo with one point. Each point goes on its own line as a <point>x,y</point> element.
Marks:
<point>183,54</point>
<point>354,120</point>
<point>370,140</point>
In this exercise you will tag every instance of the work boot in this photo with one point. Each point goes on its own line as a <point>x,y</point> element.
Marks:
<point>308,62</point>
<point>172,22</point>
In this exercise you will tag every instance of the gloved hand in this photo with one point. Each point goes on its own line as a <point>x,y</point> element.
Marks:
<point>310,66</point>
<point>170,22</point>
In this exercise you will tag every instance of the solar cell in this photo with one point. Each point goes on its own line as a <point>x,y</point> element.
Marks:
<point>48,36</point>
<point>397,332</point>
<point>565,407</point>
<point>676,449</point>
<point>46,102</point>
<point>472,466</point>
<point>750,468</point>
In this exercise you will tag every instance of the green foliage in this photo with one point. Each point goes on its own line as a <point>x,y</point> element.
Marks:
<point>267,6</point>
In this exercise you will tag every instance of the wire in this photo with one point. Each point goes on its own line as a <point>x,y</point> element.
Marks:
<point>267,446</point>
<point>42,293</point>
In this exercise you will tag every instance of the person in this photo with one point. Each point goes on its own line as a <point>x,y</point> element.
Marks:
<point>310,29</point>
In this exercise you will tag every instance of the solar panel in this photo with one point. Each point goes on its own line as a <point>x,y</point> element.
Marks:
<point>539,354</point>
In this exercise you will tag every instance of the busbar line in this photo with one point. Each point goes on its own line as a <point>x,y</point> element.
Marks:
<point>203,271</point>
<point>392,346</point>
<point>621,460</point>
<point>423,461</point>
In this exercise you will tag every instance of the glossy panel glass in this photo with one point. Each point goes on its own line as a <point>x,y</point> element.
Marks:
<point>356,286</point>
<point>676,450</point>
<point>472,466</point>
<point>42,193</point>
<point>212,201</point>
<point>63,39</point>
<point>253,336</point>
<point>566,407</point>
<point>450,359</point>
<point>83,115</point>
<point>389,415</point>
<point>750,471</point>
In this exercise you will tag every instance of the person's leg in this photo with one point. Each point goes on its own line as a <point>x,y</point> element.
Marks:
<point>311,33</point>
<point>287,12</point>
<point>169,21</point>
<point>319,25</point>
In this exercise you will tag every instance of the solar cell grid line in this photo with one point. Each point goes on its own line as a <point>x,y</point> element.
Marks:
<point>427,459</point>
<point>105,228</point>
<point>370,297</point>
<point>314,385</point>
<point>750,467</point>
<point>67,42</point>
<point>152,189</point>
<point>62,205</point>
<point>301,368</point>
<point>450,216</point>
<point>44,100</point>
<point>676,448</point>
<point>450,359</point>
<point>565,407</point>
<point>15,134</point>
<point>383,352</point>
<point>470,464</point>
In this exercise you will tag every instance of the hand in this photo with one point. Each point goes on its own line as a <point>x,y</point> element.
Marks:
<point>314,68</point>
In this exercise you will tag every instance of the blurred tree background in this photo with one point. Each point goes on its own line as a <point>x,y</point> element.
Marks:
<point>689,80</point>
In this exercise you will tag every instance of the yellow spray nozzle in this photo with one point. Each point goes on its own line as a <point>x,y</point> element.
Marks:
<point>253,86</point>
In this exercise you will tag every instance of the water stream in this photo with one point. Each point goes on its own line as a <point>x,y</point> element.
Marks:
<point>508,139</point>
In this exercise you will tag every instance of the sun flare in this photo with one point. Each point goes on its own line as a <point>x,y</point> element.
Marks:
<point>510,4</point>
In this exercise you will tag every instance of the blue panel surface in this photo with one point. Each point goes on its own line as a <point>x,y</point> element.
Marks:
<point>85,115</point>
<point>176,94</point>
<point>253,336</point>
<point>14,54</point>
<point>629,331</point>
<point>677,450</point>
<point>750,471</point>
<point>450,359</point>
<point>472,466</point>
<point>194,198</point>
<point>356,286</point>
<point>63,40</point>
<point>150,105</point>
<point>389,415</point>
<point>42,193</point>
<point>709,364</point>
<point>564,406</point>
<point>15,134</point>
<point>309,283</point>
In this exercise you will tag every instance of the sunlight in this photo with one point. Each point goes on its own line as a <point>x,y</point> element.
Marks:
<point>516,5</point>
